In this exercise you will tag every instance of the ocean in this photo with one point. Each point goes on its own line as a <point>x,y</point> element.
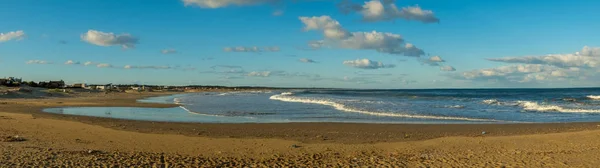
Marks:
<point>369,106</point>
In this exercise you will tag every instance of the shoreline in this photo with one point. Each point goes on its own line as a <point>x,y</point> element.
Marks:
<point>307,132</point>
<point>30,137</point>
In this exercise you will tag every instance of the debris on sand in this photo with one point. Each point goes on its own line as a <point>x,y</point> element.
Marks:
<point>15,138</point>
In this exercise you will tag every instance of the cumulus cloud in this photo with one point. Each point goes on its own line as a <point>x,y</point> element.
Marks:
<point>447,68</point>
<point>89,63</point>
<point>146,67</point>
<point>586,58</point>
<point>251,49</point>
<point>306,60</point>
<point>109,39</point>
<point>436,59</point>
<point>367,64</point>
<point>225,3</point>
<point>38,62</point>
<point>590,51</point>
<point>168,51</point>
<point>522,73</point>
<point>71,62</point>
<point>433,61</point>
<point>336,36</point>
<point>260,74</point>
<point>104,66</point>
<point>568,60</point>
<point>14,35</point>
<point>579,66</point>
<point>386,10</point>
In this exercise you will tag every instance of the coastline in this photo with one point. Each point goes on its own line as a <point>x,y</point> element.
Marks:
<point>308,132</point>
<point>101,141</point>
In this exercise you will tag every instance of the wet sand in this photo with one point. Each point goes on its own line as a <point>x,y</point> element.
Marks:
<point>53,139</point>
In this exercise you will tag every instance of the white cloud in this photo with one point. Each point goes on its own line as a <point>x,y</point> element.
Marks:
<point>89,63</point>
<point>580,67</point>
<point>146,67</point>
<point>225,3</point>
<point>566,60</point>
<point>316,44</point>
<point>335,35</point>
<point>14,35</point>
<point>306,60</point>
<point>522,73</point>
<point>251,49</point>
<point>260,73</point>
<point>331,28</point>
<point>586,58</point>
<point>590,51</point>
<point>433,61</point>
<point>376,10</point>
<point>367,64</point>
<point>436,59</point>
<point>109,39</point>
<point>447,68</point>
<point>168,51</point>
<point>71,62</point>
<point>38,62</point>
<point>104,66</point>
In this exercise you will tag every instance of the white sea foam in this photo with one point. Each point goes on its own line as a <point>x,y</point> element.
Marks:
<point>342,107</point>
<point>287,93</point>
<point>196,113</point>
<point>455,106</point>
<point>594,97</point>
<point>534,106</point>
<point>177,100</point>
<point>491,101</point>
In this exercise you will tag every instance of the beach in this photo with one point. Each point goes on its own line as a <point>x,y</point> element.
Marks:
<point>31,137</point>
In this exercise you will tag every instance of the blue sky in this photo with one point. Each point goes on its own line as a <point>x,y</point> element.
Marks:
<point>478,43</point>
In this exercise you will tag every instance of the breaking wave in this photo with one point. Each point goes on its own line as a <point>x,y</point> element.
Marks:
<point>534,106</point>
<point>594,97</point>
<point>287,93</point>
<point>196,113</point>
<point>491,101</point>
<point>455,106</point>
<point>342,107</point>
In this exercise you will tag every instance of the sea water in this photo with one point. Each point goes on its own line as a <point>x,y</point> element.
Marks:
<point>368,106</point>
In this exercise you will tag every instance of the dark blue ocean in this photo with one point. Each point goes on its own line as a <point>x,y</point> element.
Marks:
<point>369,106</point>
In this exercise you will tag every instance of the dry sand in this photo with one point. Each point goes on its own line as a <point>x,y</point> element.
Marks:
<point>29,137</point>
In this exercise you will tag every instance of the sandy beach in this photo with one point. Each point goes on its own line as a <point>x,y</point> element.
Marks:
<point>29,137</point>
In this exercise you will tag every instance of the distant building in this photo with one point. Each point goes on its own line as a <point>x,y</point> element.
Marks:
<point>79,85</point>
<point>102,87</point>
